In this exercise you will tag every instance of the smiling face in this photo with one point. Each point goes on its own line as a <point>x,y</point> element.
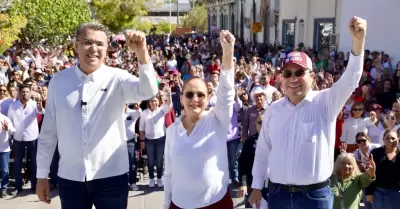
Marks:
<point>92,48</point>
<point>194,96</point>
<point>296,81</point>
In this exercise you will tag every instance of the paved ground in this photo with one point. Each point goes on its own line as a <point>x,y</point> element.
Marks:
<point>146,198</point>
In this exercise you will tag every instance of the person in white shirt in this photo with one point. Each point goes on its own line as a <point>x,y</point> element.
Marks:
<point>196,165</point>
<point>132,115</point>
<point>297,138</point>
<point>23,114</point>
<point>5,100</point>
<point>6,130</point>
<point>85,116</point>
<point>354,124</point>
<point>152,136</point>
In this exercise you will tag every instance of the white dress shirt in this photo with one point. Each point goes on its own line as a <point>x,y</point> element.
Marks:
<point>196,167</point>
<point>5,135</point>
<point>24,120</point>
<point>352,126</point>
<point>153,122</point>
<point>296,142</point>
<point>374,132</point>
<point>85,115</point>
<point>131,117</point>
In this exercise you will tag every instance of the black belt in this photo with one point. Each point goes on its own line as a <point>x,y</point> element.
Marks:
<point>307,188</point>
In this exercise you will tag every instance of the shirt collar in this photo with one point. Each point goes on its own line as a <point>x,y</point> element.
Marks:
<point>308,98</point>
<point>95,76</point>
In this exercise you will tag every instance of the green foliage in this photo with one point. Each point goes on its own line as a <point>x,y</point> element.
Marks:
<point>10,28</point>
<point>163,27</point>
<point>118,15</point>
<point>53,20</point>
<point>196,18</point>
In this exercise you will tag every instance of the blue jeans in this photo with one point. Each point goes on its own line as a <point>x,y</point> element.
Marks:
<point>18,148</point>
<point>4,171</point>
<point>177,106</point>
<point>367,205</point>
<point>104,193</point>
<point>132,162</point>
<point>232,159</point>
<point>279,198</point>
<point>54,167</point>
<point>386,198</point>
<point>155,156</point>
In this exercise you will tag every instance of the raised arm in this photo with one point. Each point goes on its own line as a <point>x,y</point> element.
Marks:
<point>167,171</point>
<point>336,96</point>
<point>226,92</point>
<point>133,89</point>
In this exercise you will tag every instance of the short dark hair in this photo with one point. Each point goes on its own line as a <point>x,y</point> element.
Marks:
<point>24,86</point>
<point>93,26</point>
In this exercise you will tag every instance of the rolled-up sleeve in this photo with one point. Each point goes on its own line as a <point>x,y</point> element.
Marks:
<point>223,109</point>
<point>263,150</point>
<point>135,90</point>
<point>335,97</point>
<point>47,140</point>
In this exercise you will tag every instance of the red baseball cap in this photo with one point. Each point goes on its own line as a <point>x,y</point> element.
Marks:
<point>298,58</point>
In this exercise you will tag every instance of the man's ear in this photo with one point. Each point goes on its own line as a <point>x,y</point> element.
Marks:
<point>312,74</point>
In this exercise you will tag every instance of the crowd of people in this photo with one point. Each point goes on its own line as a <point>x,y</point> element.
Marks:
<point>367,128</point>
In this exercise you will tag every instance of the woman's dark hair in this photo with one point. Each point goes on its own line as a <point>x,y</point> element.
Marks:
<point>363,134</point>
<point>191,79</point>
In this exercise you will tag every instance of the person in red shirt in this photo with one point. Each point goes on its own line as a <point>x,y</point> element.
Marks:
<point>339,129</point>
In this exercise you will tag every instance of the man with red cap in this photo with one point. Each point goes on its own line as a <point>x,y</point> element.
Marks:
<point>295,147</point>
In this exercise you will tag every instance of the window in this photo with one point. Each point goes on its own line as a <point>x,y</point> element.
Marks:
<point>288,31</point>
<point>222,26</point>
<point>323,28</point>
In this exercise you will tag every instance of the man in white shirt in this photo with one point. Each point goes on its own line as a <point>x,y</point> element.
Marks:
<point>6,130</point>
<point>296,142</point>
<point>132,115</point>
<point>85,116</point>
<point>23,114</point>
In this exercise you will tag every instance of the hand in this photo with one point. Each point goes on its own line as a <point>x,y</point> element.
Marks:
<point>136,42</point>
<point>255,198</point>
<point>142,145</point>
<point>371,167</point>
<point>227,40</point>
<point>370,198</point>
<point>358,29</point>
<point>4,125</point>
<point>372,116</point>
<point>343,147</point>
<point>242,191</point>
<point>43,190</point>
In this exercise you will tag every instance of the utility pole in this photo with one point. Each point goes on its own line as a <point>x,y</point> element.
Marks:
<point>177,12</point>
<point>254,20</point>
<point>170,14</point>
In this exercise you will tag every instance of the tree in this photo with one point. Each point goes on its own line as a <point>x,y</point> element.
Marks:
<point>163,27</point>
<point>10,29</point>
<point>118,15</point>
<point>196,18</point>
<point>53,20</point>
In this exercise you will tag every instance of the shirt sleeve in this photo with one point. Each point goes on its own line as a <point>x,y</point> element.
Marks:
<point>47,140</point>
<point>335,97</point>
<point>135,90</point>
<point>345,133</point>
<point>225,95</point>
<point>167,170</point>
<point>245,125</point>
<point>263,150</point>
<point>142,122</point>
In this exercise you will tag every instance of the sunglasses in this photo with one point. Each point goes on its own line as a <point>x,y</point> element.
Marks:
<point>391,118</point>
<point>358,109</point>
<point>297,73</point>
<point>359,141</point>
<point>191,94</point>
<point>259,122</point>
